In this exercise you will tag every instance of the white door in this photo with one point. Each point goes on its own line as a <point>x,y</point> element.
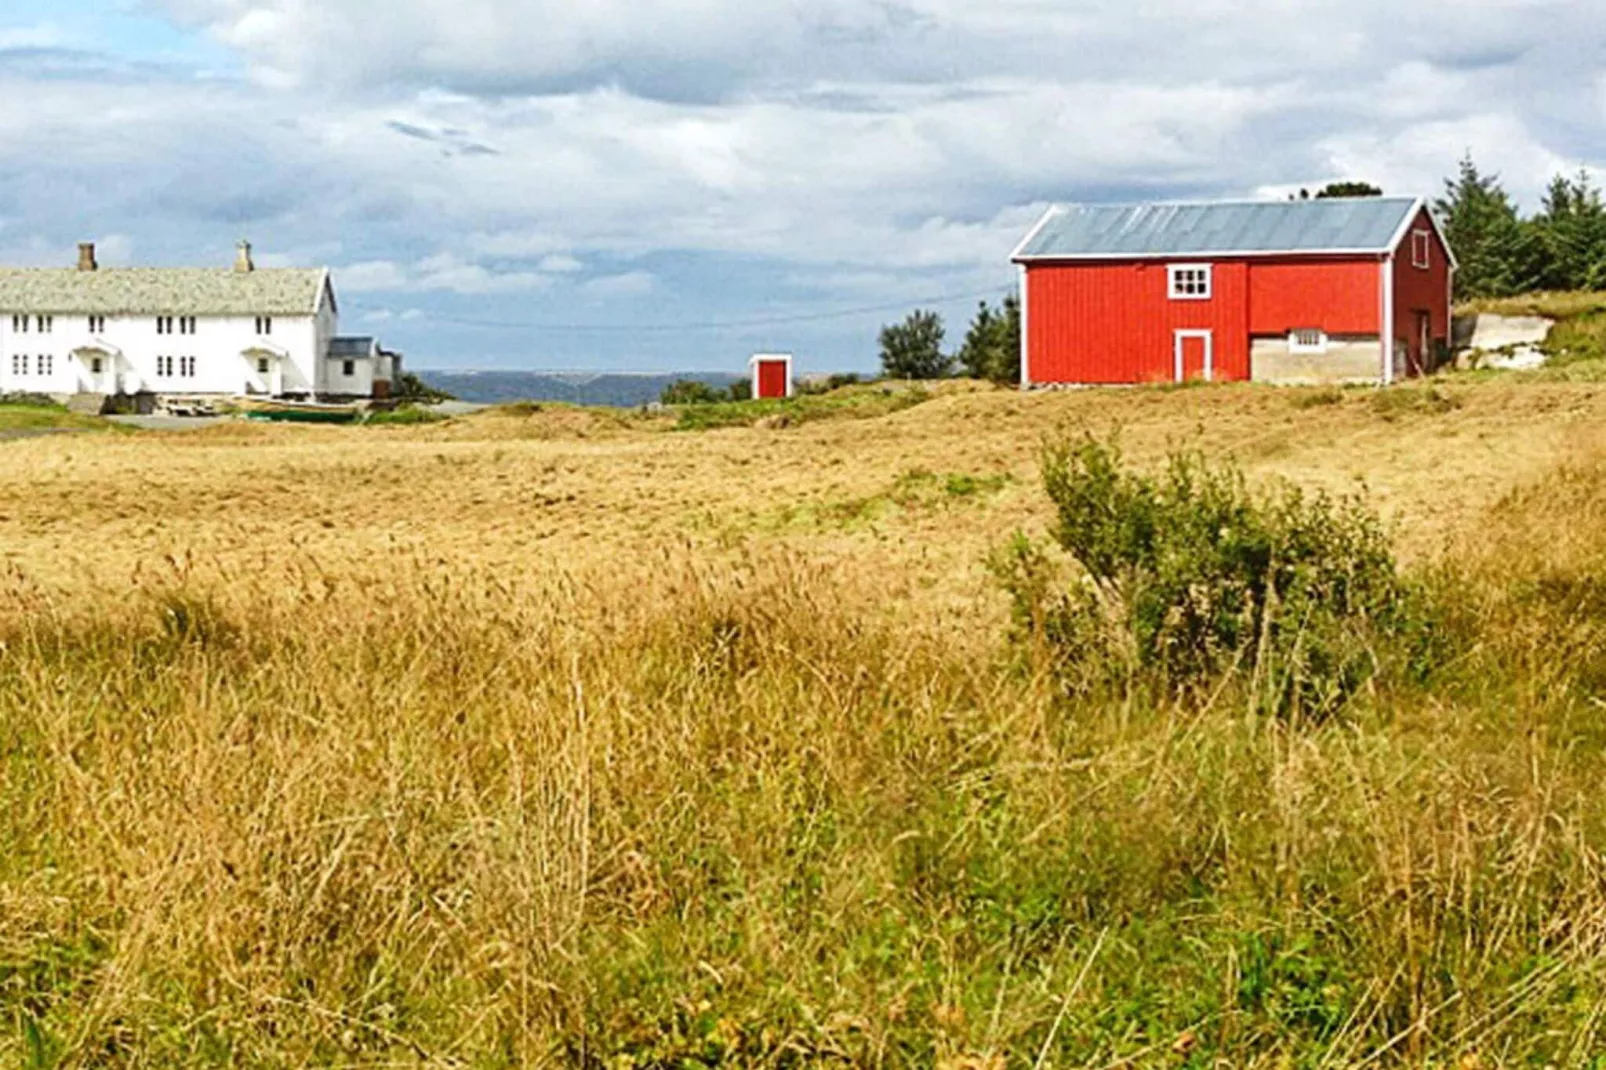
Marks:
<point>1193,352</point>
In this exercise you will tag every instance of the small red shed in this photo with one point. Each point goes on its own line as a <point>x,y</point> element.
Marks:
<point>1328,290</point>
<point>772,375</point>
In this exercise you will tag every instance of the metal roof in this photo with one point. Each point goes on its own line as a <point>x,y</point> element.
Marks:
<point>1234,228</point>
<point>162,291</point>
<point>352,346</point>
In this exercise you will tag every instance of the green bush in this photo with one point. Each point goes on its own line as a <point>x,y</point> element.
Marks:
<point>405,414</point>
<point>691,392</point>
<point>1189,575</point>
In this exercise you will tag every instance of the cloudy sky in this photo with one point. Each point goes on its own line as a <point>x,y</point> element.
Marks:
<point>655,184</point>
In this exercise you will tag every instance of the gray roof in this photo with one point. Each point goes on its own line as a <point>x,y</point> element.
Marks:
<point>163,291</point>
<point>352,346</point>
<point>1347,224</point>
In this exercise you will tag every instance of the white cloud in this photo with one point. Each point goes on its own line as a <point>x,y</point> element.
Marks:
<point>626,284</point>
<point>561,264</point>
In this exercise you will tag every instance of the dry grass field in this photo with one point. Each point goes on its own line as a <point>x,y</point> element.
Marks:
<point>550,737</point>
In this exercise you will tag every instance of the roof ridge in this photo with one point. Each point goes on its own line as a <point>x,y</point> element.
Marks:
<point>1233,201</point>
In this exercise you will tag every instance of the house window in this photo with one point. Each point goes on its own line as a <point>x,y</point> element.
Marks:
<point>1421,249</point>
<point>19,364</point>
<point>164,324</point>
<point>348,368</point>
<point>46,324</point>
<point>1307,340</point>
<point>186,367</point>
<point>47,364</point>
<point>97,324</point>
<point>1189,282</point>
<point>262,365</point>
<point>95,365</point>
<point>164,367</point>
<point>19,324</point>
<point>264,324</point>
<point>186,325</point>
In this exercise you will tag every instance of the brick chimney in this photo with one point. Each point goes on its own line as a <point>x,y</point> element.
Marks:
<point>86,256</point>
<point>242,258</point>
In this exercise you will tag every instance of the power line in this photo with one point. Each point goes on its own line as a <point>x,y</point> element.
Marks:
<point>773,321</point>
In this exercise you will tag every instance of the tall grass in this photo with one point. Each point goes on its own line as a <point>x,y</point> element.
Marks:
<point>680,815</point>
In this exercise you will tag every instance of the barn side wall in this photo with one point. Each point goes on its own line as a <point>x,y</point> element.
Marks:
<point>1336,296</point>
<point>1114,323</point>
<point>1425,290</point>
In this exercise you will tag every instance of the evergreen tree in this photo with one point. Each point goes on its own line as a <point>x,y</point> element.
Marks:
<point>1570,231</point>
<point>1496,253</point>
<point>913,349</point>
<point>992,345</point>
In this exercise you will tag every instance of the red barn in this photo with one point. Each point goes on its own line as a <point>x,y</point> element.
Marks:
<point>1329,290</point>
<point>772,375</point>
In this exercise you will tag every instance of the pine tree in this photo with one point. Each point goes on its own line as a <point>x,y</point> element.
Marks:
<point>1497,255</point>
<point>992,344</point>
<point>1571,232</point>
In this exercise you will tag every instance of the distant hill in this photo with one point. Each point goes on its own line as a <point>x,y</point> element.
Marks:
<point>620,390</point>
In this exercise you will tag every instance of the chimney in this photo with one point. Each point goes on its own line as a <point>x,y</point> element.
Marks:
<point>86,256</point>
<point>242,258</point>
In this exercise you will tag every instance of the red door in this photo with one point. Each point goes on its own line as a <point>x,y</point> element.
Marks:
<point>772,379</point>
<point>1194,359</point>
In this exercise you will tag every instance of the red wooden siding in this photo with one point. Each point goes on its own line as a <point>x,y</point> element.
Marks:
<point>1421,290</point>
<point>1114,323</point>
<point>1337,296</point>
<point>772,379</point>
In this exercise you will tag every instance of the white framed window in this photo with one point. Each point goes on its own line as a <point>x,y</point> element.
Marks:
<point>1188,282</point>
<point>19,324</point>
<point>262,365</point>
<point>186,367</point>
<point>47,364</point>
<point>164,367</point>
<point>264,324</point>
<point>97,324</point>
<point>186,325</point>
<point>1307,340</point>
<point>348,368</point>
<point>96,365</point>
<point>164,324</point>
<point>46,324</point>
<point>1421,249</point>
<point>19,364</point>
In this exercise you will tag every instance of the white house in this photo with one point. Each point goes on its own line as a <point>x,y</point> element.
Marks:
<point>240,330</point>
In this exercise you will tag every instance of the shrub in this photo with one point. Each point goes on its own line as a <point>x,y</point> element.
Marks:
<point>406,414</point>
<point>691,392</point>
<point>412,388</point>
<point>1189,575</point>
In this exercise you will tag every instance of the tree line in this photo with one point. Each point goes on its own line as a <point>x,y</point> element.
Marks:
<point>1560,247</point>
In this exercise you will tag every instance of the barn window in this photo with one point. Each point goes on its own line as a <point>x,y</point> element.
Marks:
<point>1307,340</point>
<point>1189,282</point>
<point>1421,249</point>
<point>348,368</point>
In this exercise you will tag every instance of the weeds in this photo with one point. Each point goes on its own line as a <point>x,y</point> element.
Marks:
<point>1190,575</point>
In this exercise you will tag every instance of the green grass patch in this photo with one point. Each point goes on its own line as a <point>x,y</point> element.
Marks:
<point>851,403</point>
<point>31,416</point>
<point>406,415</point>
<point>1402,401</point>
